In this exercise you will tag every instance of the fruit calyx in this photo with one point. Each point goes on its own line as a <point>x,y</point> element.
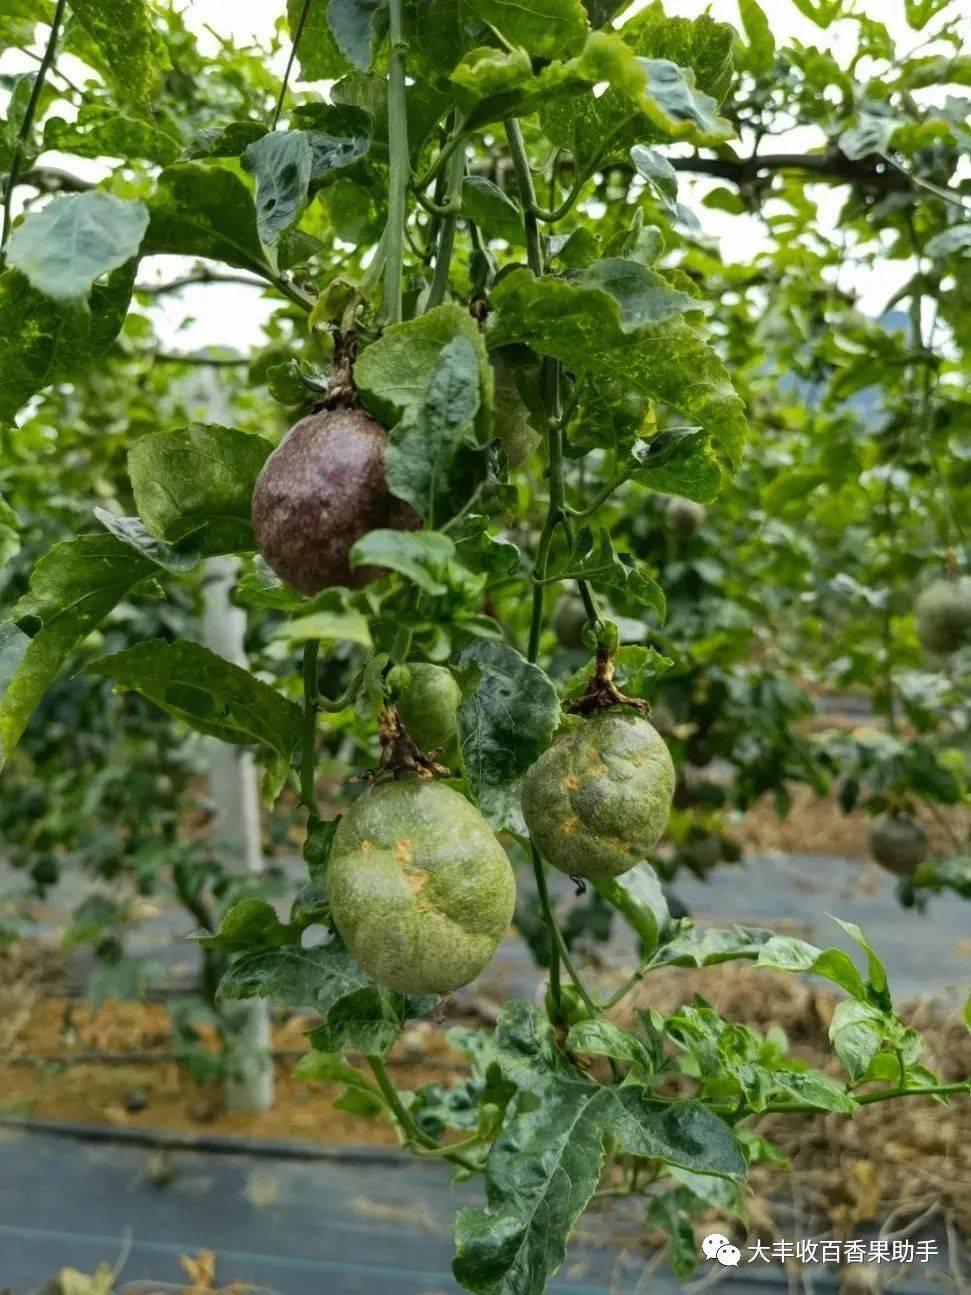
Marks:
<point>602,692</point>
<point>399,754</point>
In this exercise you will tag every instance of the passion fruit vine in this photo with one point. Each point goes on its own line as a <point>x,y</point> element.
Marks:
<point>320,490</point>
<point>420,889</point>
<point>597,801</point>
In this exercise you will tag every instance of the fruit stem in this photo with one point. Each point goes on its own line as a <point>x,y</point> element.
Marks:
<point>399,169</point>
<point>308,763</point>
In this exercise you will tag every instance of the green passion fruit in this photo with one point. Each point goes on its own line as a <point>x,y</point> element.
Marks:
<point>427,697</point>
<point>568,619</point>
<point>898,844</point>
<point>420,889</point>
<point>944,615</point>
<point>596,803</point>
<point>320,490</point>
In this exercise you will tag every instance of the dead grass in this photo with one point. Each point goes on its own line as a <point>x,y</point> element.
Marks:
<point>897,1158</point>
<point>908,1155</point>
<point>817,825</point>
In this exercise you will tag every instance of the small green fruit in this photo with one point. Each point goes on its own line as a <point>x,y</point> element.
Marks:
<point>898,844</point>
<point>568,619</point>
<point>597,802</point>
<point>683,516</point>
<point>420,889</point>
<point>704,851</point>
<point>944,615</point>
<point>427,705</point>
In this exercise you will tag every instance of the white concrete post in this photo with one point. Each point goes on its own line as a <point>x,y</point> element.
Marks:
<point>236,841</point>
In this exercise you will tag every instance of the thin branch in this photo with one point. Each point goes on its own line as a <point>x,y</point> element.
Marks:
<point>827,166</point>
<point>200,276</point>
<point>51,179</point>
<point>29,53</point>
<point>203,361</point>
<point>301,23</point>
<point>27,124</point>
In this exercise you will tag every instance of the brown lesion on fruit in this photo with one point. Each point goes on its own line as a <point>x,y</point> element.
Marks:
<point>417,881</point>
<point>403,852</point>
<point>570,826</point>
<point>623,846</point>
<point>571,784</point>
<point>367,847</point>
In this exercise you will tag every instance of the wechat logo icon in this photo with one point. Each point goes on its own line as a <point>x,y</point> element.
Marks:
<point>716,1246</point>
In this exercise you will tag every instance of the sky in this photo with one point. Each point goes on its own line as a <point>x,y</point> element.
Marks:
<point>230,315</point>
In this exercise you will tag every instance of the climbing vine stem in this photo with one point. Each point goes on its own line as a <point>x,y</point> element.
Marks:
<point>449,212</point>
<point>410,1131</point>
<point>555,518</point>
<point>27,125</point>
<point>399,166</point>
<point>281,97</point>
<point>308,758</point>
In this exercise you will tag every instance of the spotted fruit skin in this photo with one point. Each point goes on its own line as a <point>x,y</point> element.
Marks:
<point>428,705</point>
<point>420,889</point>
<point>944,615</point>
<point>596,803</point>
<point>320,490</point>
<point>898,844</point>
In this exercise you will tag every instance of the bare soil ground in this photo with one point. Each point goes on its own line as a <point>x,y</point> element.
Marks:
<point>902,1160</point>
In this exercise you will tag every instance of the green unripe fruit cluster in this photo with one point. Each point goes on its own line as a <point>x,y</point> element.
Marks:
<point>944,615</point>
<point>597,802</point>
<point>898,844</point>
<point>420,889</point>
<point>427,697</point>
